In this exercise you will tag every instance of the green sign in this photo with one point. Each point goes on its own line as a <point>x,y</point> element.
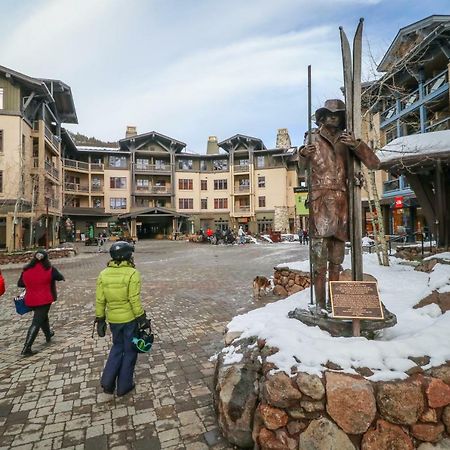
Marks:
<point>300,200</point>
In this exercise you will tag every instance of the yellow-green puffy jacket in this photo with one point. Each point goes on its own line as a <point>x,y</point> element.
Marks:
<point>118,294</point>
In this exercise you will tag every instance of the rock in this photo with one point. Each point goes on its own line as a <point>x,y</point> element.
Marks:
<point>296,413</point>
<point>386,436</point>
<point>235,396</point>
<point>268,440</point>
<point>322,434</point>
<point>438,393</point>
<point>310,407</point>
<point>429,415</point>
<point>427,266</point>
<point>278,390</point>
<point>273,418</point>
<point>295,288</point>
<point>364,371</point>
<point>442,299</point>
<point>441,372</point>
<point>428,432</point>
<point>295,427</point>
<point>420,360</point>
<point>400,402</point>
<point>310,385</point>
<point>414,370</point>
<point>443,445</point>
<point>280,291</point>
<point>350,402</point>
<point>258,424</point>
<point>231,336</point>
<point>346,275</point>
<point>446,418</point>
<point>331,365</point>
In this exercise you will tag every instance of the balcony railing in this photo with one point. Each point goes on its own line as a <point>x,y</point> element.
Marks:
<point>242,209</point>
<point>97,167</point>
<point>55,140</point>
<point>72,164</point>
<point>51,170</point>
<point>435,83</point>
<point>153,189</point>
<point>52,203</point>
<point>97,188</point>
<point>443,124</point>
<point>242,189</point>
<point>391,185</point>
<point>75,187</point>
<point>153,167</point>
<point>241,168</point>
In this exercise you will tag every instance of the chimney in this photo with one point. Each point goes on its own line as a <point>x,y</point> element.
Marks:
<point>283,139</point>
<point>212,148</point>
<point>131,131</point>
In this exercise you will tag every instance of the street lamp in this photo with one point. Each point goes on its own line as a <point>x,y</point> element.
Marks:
<point>47,200</point>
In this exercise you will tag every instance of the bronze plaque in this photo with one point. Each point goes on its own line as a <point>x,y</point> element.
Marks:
<point>355,300</point>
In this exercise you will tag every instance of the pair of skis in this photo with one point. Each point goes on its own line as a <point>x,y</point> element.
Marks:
<point>352,93</point>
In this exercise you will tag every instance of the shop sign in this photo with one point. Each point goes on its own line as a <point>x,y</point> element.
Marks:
<point>101,224</point>
<point>138,224</point>
<point>398,202</point>
<point>300,203</point>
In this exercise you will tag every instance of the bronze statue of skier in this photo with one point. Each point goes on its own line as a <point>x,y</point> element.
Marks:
<point>327,155</point>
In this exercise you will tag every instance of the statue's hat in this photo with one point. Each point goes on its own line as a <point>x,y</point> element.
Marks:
<point>333,105</point>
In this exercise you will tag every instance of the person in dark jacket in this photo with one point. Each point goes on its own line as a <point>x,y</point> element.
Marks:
<point>39,279</point>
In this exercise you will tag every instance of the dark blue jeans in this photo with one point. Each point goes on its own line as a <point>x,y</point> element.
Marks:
<point>119,369</point>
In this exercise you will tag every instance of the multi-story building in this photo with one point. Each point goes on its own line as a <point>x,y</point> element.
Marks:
<point>31,113</point>
<point>411,98</point>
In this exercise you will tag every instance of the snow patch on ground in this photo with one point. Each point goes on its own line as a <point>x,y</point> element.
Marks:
<point>419,332</point>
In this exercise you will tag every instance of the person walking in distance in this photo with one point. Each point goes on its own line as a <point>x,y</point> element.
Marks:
<point>118,300</point>
<point>329,221</point>
<point>241,234</point>
<point>39,279</point>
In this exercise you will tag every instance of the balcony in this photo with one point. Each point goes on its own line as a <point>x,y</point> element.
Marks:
<point>76,165</point>
<point>53,140</point>
<point>443,124</point>
<point>242,209</point>
<point>153,190</point>
<point>52,203</point>
<point>97,167</point>
<point>397,186</point>
<point>241,168</point>
<point>97,189</point>
<point>431,89</point>
<point>153,168</point>
<point>242,189</point>
<point>75,187</point>
<point>51,170</point>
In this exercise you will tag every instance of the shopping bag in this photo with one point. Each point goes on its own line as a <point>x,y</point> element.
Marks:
<point>19,302</point>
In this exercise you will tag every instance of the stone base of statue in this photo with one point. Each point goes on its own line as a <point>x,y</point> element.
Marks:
<point>341,327</point>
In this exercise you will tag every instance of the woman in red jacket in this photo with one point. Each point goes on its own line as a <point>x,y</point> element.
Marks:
<point>38,278</point>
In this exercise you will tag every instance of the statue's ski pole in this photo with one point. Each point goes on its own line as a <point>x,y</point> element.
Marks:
<point>309,141</point>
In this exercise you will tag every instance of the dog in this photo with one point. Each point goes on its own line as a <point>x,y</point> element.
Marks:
<point>261,285</point>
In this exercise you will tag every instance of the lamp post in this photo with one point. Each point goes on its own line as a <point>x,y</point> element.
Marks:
<point>47,199</point>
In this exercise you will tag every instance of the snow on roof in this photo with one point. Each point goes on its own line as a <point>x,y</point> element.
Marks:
<point>416,145</point>
<point>88,148</point>
<point>418,332</point>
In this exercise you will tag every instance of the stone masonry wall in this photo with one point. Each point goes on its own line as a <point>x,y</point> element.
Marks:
<point>12,258</point>
<point>287,281</point>
<point>260,408</point>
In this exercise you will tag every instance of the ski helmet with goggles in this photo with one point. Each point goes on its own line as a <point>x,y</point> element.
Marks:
<point>121,251</point>
<point>143,342</point>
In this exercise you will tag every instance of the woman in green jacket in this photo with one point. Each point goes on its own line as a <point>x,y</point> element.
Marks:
<point>118,299</point>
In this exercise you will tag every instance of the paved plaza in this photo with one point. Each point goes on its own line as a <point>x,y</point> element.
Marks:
<point>191,291</point>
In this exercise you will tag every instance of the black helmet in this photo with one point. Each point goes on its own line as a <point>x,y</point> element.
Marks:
<point>121,251</point>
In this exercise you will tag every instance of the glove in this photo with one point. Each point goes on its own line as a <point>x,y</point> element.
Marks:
<point>101,326</point>
<point>143,323</point>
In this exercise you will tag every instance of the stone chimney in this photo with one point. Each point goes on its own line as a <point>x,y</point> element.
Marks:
<point>131,131</point>
<point>212,148</point>
<point>283,139</point>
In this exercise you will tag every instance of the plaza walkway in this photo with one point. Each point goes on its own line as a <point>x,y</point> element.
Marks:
<point>53,400</point>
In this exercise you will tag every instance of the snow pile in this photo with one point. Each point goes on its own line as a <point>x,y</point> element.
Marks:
<point>419,332</point>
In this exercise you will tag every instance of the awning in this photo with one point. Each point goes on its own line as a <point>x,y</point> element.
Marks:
<point>153,212</point>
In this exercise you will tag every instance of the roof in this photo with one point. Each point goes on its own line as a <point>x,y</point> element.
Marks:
<point>415,148</point>
<point>157,211</point>
<point>56,92</point>
<point>390,56</point>
<point>153,135</point>
<point>237,139</point>
<point>88,148</point>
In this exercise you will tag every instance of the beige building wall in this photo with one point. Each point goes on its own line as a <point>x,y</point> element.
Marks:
<point>117,193</point>
<point>275,190</point>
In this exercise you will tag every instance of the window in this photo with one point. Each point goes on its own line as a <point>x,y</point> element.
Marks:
<point>220,164</point>
<point>142,164</point>
<point>261,182</point>
<point>220,184</point>
<point>118,162</point>
<point>142,184</point>
<point>185,184</point>
<point>203,166</point>
<point>118,203</point>
<point>220,203</point>
<point>160,164</point>
<point>260,162</point>
<point>96,183</point>
<point>97,203</point>
<point>262,202</point>
<point>186,203</point>
<point>185,164</point>
<point>204,203</point>
<point>118,183</point>
<point>1,141</point>
<point>244,163</point>
<point>1,98</point>
<point>1,180</point>
<point>204,185</point>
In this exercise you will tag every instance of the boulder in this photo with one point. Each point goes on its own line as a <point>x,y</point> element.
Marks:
<point>446,418</point>
<point>443,445</point>
<point>441,372</point>
<point>280,291</point>
<point>430,415</point>
<point>279,440</point>
<point>438,393</point>
<point>346,275</point>
<point>350,402</point>
<point>278,390</point>
<point>322,434</point>
<point>310,385</point>
<point>273,418</point>
<point>295,427</point>
<point>236,393</point>
<point>386,436</point>
<point>428,432</point>
<point>400,402</point>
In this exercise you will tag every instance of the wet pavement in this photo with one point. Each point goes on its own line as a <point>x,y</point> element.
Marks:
<point>191,291</point>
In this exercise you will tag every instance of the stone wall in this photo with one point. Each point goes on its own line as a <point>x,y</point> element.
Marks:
<point>266,410</point>
<point>287,281</point>
<point>24,257</point>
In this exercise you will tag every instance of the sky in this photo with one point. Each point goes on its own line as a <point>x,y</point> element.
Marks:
<point>194,68</point>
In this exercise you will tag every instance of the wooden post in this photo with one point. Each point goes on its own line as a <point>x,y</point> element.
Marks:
<point>356,325</point>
